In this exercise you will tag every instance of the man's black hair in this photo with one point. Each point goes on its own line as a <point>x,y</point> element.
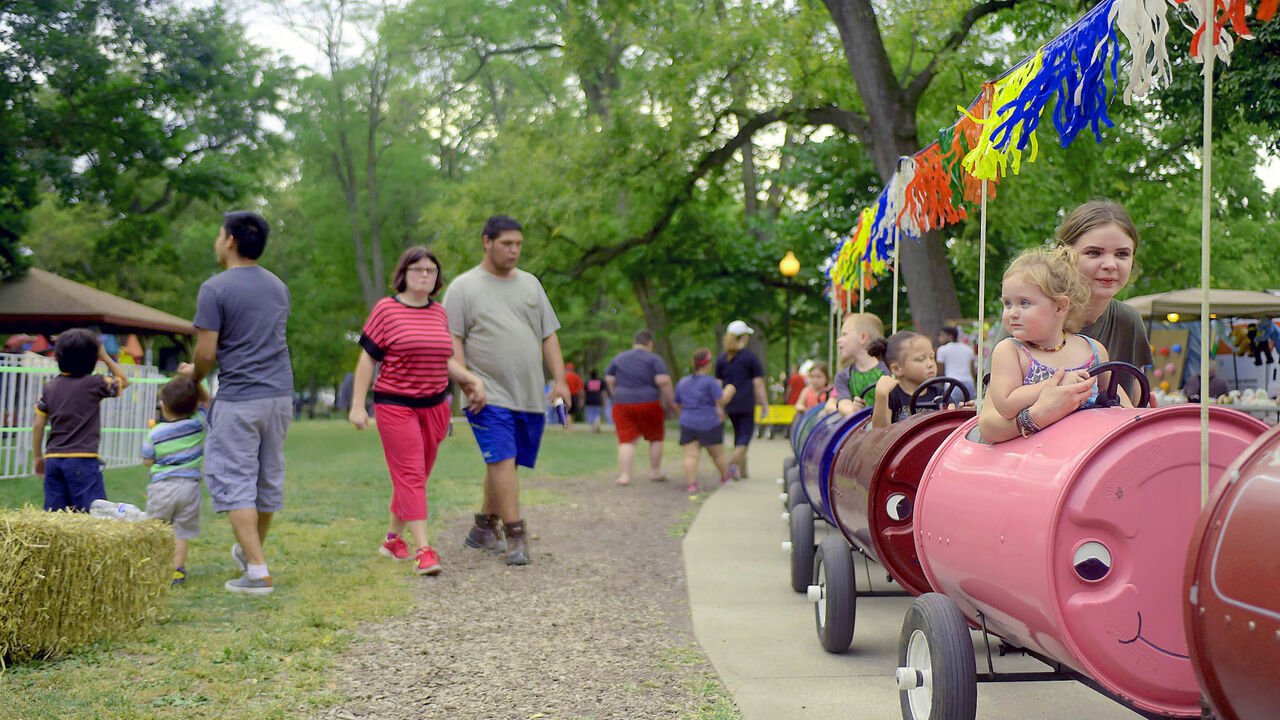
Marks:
<point>76,351</point>
<point>951,331</point>
<point>498,224</point>
<point>250,231</point>
<point>643,337</point>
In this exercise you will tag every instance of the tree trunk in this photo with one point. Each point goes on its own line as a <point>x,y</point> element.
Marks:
<point>655,318</point>
<point>924,267</point>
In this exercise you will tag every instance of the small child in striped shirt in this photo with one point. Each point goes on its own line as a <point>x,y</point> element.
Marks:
<point>174,450</point>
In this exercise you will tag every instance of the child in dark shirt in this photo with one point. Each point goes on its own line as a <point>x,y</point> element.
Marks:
<point>910,358</point>
<point>69,403</point>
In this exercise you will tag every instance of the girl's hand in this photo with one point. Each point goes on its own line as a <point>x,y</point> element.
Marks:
<point>859,403</point>
<point>474,388</point>
<point>359,417</point>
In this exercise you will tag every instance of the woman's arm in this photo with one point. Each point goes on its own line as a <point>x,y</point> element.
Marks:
<point>470,383</point>
<point>727,395</point>
<point>358,416</point>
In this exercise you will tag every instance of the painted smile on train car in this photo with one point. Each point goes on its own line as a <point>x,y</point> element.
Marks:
<point>1138,637</point>
<point>1092,563</point>
<point>1116,575</point>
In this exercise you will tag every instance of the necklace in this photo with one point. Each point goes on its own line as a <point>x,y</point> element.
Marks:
<point>1042,348</point>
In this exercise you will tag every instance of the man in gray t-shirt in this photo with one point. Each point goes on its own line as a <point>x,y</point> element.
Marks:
<point>504,330</point>
<point>240,317</point>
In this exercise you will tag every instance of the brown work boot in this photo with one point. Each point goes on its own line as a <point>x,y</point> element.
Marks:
<point>517,544</point>
<point>486,535</point>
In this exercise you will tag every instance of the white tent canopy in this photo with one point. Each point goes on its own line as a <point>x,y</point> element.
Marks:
<point>1224,303</point>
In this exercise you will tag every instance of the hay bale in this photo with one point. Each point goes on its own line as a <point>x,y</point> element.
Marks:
<point>67,579</point>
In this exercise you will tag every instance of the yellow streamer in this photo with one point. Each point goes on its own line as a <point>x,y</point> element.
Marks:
<point>984,161</point>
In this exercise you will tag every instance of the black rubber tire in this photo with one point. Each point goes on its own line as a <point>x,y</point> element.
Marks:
<point>834,617</point>
<point>787,464</point>
<point>802,547</point>
<point>795,496</point>
<point>954,691</point>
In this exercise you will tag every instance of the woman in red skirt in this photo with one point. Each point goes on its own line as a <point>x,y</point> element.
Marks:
<point>408,333</point>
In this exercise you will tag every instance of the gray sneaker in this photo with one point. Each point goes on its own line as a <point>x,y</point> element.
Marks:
<point>237,554</point>
<point>246,586</point>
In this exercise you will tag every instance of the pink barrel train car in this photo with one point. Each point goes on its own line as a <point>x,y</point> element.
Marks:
<point>1068,545</point>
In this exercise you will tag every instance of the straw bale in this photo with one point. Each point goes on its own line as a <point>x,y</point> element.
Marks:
<point>68,578</point>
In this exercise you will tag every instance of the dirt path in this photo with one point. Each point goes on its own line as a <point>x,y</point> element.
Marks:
<point>596,627</point>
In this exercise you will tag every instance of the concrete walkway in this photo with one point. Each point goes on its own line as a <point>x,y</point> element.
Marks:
<point>761,636</point>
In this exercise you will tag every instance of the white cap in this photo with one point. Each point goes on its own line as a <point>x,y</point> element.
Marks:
<point>737,327</point>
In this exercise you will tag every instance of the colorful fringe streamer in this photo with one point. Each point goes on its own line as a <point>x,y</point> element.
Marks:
<point>988,140</point>
<point>928,200</point>
<point>991,157</point>
<point>1236,12</point>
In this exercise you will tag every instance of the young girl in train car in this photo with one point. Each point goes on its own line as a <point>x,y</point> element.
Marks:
<point>910,358</point>
<point>1044,298</point>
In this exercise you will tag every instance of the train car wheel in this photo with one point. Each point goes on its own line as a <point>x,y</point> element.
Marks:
<point>834,594</point>
<point>793,477</point>
<point>795,496</point>
<point>936,675</point>
<point>787,464</point>
<point>802,547</point>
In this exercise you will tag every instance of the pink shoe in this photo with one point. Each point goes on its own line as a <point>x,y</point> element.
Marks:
<point>395,549</point>
<point>428,561</point>
<point>692,488</point>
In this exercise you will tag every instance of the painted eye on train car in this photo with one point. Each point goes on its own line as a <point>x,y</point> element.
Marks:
<point>898,507</point>
<point>1092,561</point>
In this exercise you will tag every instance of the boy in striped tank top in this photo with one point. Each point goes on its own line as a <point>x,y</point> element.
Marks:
<point>174,451</point>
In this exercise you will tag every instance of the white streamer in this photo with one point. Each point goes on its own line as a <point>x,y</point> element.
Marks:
<point>1146,24</point>
<point>897,198</point>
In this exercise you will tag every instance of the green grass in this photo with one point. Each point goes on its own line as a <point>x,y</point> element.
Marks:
<point>226,656</point>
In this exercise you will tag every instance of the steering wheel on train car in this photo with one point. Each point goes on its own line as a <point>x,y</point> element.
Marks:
<point>1111,396</point>
<point>863,392</point>
<point>941,400</point>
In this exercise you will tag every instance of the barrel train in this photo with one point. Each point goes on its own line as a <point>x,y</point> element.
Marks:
<point>1084,545</point>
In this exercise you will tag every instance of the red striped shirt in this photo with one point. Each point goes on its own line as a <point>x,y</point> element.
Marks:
<point>412,343</point>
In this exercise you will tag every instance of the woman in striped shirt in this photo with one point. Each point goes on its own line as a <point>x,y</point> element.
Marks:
<point>408,333</point>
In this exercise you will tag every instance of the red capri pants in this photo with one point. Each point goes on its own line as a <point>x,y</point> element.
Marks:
<point>633,420</point>
<point>410,439</point>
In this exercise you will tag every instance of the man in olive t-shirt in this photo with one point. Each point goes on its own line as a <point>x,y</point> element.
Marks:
<point>504,329</point>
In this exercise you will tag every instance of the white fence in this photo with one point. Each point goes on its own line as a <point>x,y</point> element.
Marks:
<point>125,419</point>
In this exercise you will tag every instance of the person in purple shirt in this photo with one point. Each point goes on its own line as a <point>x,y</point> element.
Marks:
<point>700,400</point>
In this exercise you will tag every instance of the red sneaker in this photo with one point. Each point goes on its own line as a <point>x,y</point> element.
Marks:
<point>428,561</point>
<point>395,549</point>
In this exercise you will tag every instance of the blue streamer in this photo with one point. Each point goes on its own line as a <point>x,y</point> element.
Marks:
<point>1068,64</point>
<point>1093,33</point>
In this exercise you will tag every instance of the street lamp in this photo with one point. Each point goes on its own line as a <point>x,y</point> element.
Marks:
<point>789,267</point>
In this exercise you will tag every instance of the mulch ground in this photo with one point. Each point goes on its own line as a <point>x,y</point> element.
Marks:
<point>596,627</point>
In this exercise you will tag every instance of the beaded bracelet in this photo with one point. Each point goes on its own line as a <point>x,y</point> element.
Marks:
<point>1026,425</point>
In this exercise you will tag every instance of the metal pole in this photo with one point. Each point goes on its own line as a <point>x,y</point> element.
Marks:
<point>788,355</point>
<point>1206,192</point>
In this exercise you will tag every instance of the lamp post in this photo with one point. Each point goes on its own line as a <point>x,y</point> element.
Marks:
<point>789,267</point>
